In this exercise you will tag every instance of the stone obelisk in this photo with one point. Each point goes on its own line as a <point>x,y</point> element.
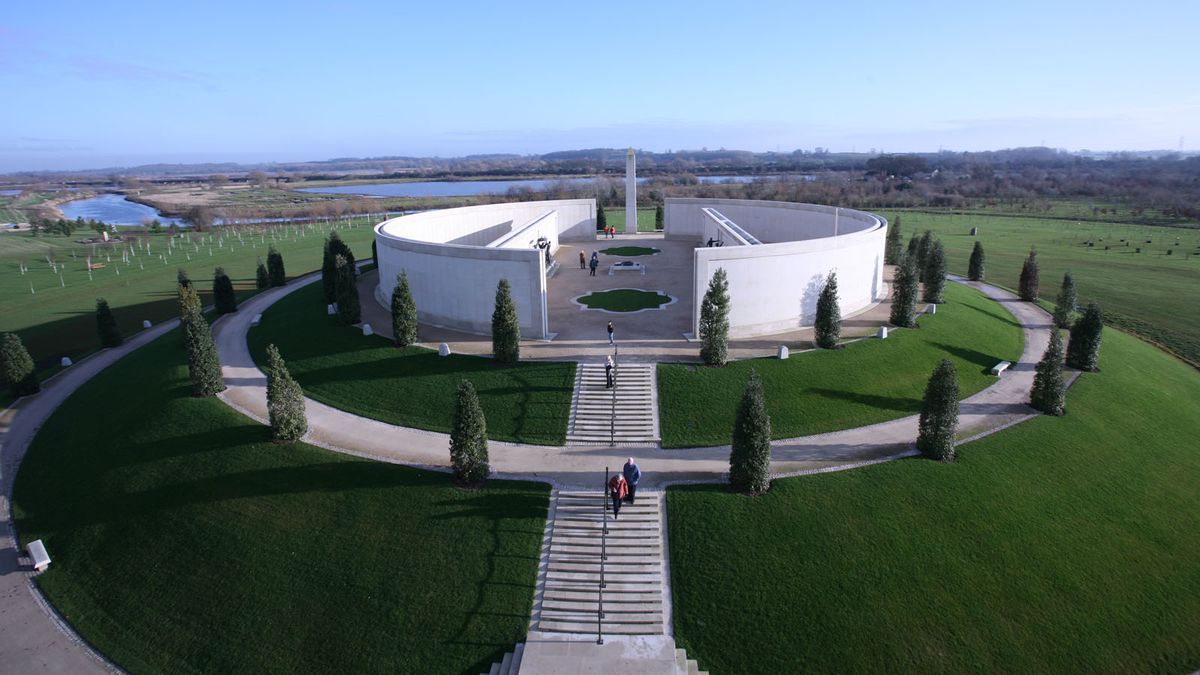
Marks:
<point>630,193</point>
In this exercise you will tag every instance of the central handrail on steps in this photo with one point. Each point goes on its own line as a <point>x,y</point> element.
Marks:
<point>603,557</point>
<point>612,409</point>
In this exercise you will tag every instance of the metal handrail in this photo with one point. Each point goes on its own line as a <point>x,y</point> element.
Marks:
<point>603,557</point>
<point>612,409</point>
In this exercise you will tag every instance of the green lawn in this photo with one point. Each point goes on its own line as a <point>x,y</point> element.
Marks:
<point>413,387</point>
<point>629,251</point>
<point>56,320</point>
<point>866,382</point>
<point>184,541</point>
<point>615,216</point>
<point>624,300</point>
<point>1059,545</point>
<point>1150,293</point>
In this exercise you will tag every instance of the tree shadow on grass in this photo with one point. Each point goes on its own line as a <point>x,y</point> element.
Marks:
<point>999,316</point>
<point>984,361</point>
<point>897,403</point>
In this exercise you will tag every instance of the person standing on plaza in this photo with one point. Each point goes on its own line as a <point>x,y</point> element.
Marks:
<point>617,489</point>
<point>582,261</point>
<point>608,372</point>
<point>632,474</point>
<point>594,264</point>
<point>610,333</point>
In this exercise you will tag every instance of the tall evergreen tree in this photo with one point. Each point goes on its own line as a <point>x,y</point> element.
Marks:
<point>1064,306</point>
<point>189,301</point>
<point>714,320</point>
<point>1049,392</point>
<point>204,368</point>
<point>224,298</point>
<point>106,325</point>
<point>262,278</point>
<point>275,269</point>
<point>16,367</point>
<point>750,453</point>
<point>923,249</point>
<point>334,246</point>
<point>506,326</point>
<point>468,437</point>
<point>285,401</point>
<point>904,293</point>
<point>895,243</point>
<point>658,216</point>
<point>935,274</point>
<point>404,312</point>
<point>601,219</point>
<point>1083,349</point>
<point>939,414</point>
<point>975,267</point>
<point>914,248</point>
<point>828,326</point>
<point>349,311</point>
<point>375,254</point>
<point>181,277</point>
<point>1028,286</point>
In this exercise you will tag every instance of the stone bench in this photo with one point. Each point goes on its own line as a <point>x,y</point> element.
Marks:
<point>627,266</point>
<point>1000,367</point>
<point>41,559</point>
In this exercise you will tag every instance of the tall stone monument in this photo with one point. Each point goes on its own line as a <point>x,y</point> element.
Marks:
<point>630,193</point>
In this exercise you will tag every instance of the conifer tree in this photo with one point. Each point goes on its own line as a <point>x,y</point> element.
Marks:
<point>923,249</point>
<point>285,401</point>
<point>468,437</point>
<point>349,311</point>
<point>750,454</point>
<point>262,279</point>
<point>904,293</point>
<point>16,367</point>
<point>204,369</point>
<point>975,267</point>
<point>828,326</point>
<point>1049,392</point>
<point>658,217</point>
<point>506,326</point>
<point>334,246</point>
<point>275,269</point>
<point>106,325</point>
<point>914,248</point>
<point>895,243</point>
<point>1064,306</point>
<point>189,301</point>
<point>1028,286</point>
<point>224,299</point>
<point>935,274</point>
<point>181,277</point>
<point>939,414</point>
<point>375,254</point>
<point>404,312</point>
<point>601,220</point>
<point>714,320</point>
<point>1083,349</point>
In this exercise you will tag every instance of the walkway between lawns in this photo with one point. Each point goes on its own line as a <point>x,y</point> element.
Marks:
<point>997,406</point>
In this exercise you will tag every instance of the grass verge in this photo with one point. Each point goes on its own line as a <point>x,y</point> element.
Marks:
<point>624,300</point>
<point>413,387</point>
<point>185,541</point>
<point>629,251</point>
<point>1059,545</point>
<point>866,382</point>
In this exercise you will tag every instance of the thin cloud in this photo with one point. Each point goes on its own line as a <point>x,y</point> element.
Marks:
<point>99,67</point>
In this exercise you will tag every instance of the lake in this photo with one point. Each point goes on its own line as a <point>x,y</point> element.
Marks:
<point>114,210</point>
<point>470,188</point>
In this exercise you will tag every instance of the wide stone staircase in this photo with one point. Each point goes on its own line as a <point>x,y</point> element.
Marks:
<point>624,415</point>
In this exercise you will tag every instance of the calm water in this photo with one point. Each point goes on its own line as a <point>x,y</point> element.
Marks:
<point>9,193</point>
<point>114,210</point>
<point>469,188</point>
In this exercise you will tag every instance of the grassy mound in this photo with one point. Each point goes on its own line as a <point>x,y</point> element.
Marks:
<point>624,300</point>
<point>185,541</point>
<point>1059,545</point>
<point>629,251</point>
<point>413,387</point>
<point>866,382</point>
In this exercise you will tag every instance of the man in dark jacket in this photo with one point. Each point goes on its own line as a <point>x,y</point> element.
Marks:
<point>632,475</point>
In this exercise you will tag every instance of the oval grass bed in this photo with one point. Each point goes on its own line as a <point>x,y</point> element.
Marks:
<point>1085,522</point>
<point>414,387</point>
<point>624,300</point>
<point>867,382</point>
<point>630,251</point>
<point>185,541</point>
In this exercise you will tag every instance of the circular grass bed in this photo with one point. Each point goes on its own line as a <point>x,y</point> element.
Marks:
<point>630,251</point>
<point>185,541</point>
<point>624,300</point>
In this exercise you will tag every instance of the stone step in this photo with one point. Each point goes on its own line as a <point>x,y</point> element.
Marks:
<point>559,596</point>
<point>589,628</point>
<point>610,586</point>
<point>625,550</point>
<point>615,606</point>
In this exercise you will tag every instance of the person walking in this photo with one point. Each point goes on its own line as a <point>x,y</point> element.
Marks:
<point>582,261</point>
<point>617,489</point>
<point>594,264</point>
<point>608,372</point>
<point>610,333</point>
<point>632,475</point>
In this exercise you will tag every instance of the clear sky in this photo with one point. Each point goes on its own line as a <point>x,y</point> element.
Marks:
<point>95,84</point>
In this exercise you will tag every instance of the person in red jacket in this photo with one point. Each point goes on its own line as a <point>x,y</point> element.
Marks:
<point>617,489</point>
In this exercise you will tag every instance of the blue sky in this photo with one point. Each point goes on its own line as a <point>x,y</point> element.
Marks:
<point>89,84</point>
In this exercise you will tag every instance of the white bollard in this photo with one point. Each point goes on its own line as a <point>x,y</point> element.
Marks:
<point>782,353</point>
<point>366,329</point>
<point>883,331</point>
<point>331,309</point>
<point>146,324</point>
<point>443,349</point>
<point>66,362</point>
<point>931,309</point>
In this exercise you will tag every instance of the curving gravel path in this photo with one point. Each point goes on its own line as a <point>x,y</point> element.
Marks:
<point>996,407</point>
